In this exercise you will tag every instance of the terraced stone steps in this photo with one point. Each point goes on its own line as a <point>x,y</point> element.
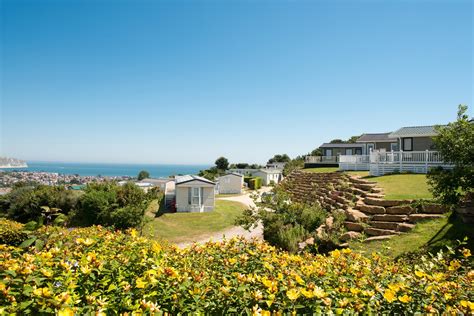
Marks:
<point>362,201</point>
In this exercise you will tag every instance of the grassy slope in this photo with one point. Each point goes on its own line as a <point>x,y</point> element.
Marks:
<point>404,186</point>
<point>396,186</point>
<point>430,236</point>
<point>181,227</point>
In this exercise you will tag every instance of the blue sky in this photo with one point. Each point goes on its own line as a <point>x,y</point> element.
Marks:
<point>188,81</point>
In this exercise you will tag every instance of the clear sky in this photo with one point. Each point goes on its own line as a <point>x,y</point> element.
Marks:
<point>188,81</point>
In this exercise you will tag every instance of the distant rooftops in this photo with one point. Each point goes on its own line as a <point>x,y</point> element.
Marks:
<point>158,181</point>
<point>188,178</point>
<point>233,174</point>
<point>376,137</point>
<point>414,131</point>
<point>351,145</point>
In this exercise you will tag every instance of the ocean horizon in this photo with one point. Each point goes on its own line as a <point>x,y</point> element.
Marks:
<point>109,169</point>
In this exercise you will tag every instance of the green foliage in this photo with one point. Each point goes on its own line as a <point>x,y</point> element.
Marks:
<point>222,163</point>
<point>143,175</point>
<point>279,158</point>
<point>109,204</point>
<point>288,223</point>
<point>27,203</point>
<point>11,232</point>
<point>455,142</point>
<point>293,165</point>
<point>255,183</point>
<point>94,270</point>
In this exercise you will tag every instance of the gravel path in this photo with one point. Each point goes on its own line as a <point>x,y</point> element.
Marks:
<point>233,231</point>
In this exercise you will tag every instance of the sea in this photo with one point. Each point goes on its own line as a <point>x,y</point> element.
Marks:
<point>110,169</point>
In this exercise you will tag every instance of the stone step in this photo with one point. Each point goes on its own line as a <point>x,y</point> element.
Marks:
<point>390,218</point>
<point>414,218</point>
<point>385,203</point>
<point>375,238</point>
<point>354,215</point>
<point>384,225</point>
<point>433,208</point>
<point>352,226</point>
<point>405,227</point>
<point>365,186</point>
<point>379,232</point>
<point>375,196</point>
<point>371,209</point>
<point>400,210</point>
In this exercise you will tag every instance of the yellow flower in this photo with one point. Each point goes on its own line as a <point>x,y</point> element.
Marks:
<point>133,232</point>
<point>293,294</point>
<point>46,273</point>
<point>448,296</point>
<point>86,270</point>
<point>454,265</point>
<point>420,274</point>
<point>395,287</point>
<point>43,292</point>
<point>257,295</point>
<point>466,252</point>
<point>319,292</point>
<point>404,299</point>
<point>66,312</point>
<point>307,293</point>
<point>140,283</point>
<point>389,295</point>
<point>467,304</point>
<point>354,291</point>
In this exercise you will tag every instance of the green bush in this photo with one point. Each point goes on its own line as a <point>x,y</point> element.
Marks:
<point>289,236</point>
<point>255,183</point>
<point>11,233</point>
<point>24,203</point>
<point>109,204</point>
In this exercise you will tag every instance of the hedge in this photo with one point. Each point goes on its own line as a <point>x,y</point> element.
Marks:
<point>96,270</point>
<point>255,183</point>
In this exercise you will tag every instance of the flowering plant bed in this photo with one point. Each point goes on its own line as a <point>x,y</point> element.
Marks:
<point>98,270</point>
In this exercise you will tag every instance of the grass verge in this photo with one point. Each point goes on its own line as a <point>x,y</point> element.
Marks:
<point>428,236</point>
<point>184,227</point>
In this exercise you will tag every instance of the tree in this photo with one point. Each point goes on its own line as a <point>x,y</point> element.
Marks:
<point>279,158</point>
<point>455,142</point>
<point>222,163</point>
<point>143,175</point>
<point>242,165</point>
<point>336,141</point>
<point>293,165</point>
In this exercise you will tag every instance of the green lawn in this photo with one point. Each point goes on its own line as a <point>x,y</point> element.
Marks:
<point>183,227</point>
<point>403,186</point>
<point>396,186</point>
<point>431,235</point>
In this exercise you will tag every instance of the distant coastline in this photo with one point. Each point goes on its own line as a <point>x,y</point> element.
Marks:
<point>109,169</point>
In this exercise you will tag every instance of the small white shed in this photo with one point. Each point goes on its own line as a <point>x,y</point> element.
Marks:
<point>194,194</point>
<point>231,183</point>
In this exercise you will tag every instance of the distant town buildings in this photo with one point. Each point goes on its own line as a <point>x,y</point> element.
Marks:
<point>9,178</point>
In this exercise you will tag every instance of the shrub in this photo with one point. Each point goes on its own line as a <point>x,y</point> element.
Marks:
<point>109,204</point>
<point>255,183</point>
<point>24,203</point>
<point>94,270</point>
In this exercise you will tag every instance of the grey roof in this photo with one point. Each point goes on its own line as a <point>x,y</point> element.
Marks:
<point>270,170</point>
<point>414,131</point>
<point>232,174</point>
<point>188,178</point>
<point>375,137</point>
<point>157,181</point>
<point>352,145</point>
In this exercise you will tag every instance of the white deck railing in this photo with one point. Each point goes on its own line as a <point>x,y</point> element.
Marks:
<point>354,158</point>
<point>412,157</point>
<point>380,163</point>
